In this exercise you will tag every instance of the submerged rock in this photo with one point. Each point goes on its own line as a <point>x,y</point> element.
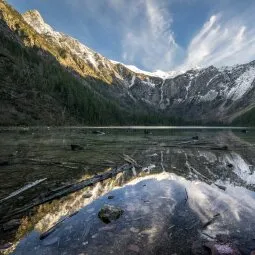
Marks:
<point>4,163</point>
<point>147,132</point>
<point>76,147</point>
<point>87,195</point>
<point>198,248</point>
<point>109,213</point>
<point>50,241</point>
<point>222,248</point>
<point>5,246</point>
<point>97,132</point>
<point>133,247</point>
<point>221,148</point>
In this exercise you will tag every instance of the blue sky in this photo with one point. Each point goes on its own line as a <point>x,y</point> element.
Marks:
<point>156,34</point>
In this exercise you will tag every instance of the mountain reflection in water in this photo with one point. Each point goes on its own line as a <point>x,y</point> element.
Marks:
<point>181,185</point>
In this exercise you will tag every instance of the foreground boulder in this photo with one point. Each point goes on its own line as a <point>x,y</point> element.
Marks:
<point>222,248</point>
<point>109,213</point>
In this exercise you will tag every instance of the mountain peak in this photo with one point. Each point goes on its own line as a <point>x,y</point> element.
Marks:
<point>33,14</point>
<point>35,19</point>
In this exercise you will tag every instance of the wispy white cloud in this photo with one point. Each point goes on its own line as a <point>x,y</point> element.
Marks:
<point>223,39</point>
<point>221,42</point>
<point>144,29</point>
<point>151,42</point>
<point>145,36</point>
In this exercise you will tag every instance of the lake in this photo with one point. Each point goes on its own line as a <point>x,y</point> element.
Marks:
<point>185,186</point>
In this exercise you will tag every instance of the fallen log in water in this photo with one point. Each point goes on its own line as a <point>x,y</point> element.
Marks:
<point>53,228</point>
<point>23,189</point>
<point>130,160</point>
<point>205,225</point>
<point>207,180</point>
<point>50,163</point>
<point>221,148</point>
<point>187,196</point>
<point>70,189</point>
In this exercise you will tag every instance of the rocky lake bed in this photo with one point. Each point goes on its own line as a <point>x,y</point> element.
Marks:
<point>127,191</point>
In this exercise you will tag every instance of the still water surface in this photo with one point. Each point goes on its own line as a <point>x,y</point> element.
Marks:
<point>183,179</point>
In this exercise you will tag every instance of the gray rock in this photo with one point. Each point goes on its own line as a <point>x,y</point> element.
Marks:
<point>133,247</point>
<point>4,163</point>
<point>5,246</point>
<point>218,248</point>
<point>76,147</point>
<point>87,195</point>
<point>198,248</point>
<point>50,241</point>
<point>110,213</point>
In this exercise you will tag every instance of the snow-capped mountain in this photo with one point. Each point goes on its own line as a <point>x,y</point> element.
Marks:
<point>158,73</point>
<point>209,94</point>
<point>35,19</point>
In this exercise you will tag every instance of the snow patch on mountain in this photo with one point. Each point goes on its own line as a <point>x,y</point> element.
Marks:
<point>191,78</point>
<point>35,19</point>
<point>158,73</point>
<point>243,84</point>
<point>149,83</point>
<point>132,81</point>
<point>209,96</point>
<point>212,79</point>
<point>161,104</point>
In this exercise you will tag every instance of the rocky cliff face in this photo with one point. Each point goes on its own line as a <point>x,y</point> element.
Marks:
<point>208,94</point>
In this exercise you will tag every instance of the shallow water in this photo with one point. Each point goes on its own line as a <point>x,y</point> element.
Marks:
<point>157,218</point>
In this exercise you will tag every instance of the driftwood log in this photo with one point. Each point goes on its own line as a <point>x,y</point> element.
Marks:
<point>68,189</point>
<point>23,189</point>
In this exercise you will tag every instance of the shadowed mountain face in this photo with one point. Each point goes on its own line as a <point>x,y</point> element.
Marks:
<point>196,93</point>
<point>206,95</point>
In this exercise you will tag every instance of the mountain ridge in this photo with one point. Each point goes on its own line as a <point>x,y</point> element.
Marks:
<point>39,24</point>
<point>203,95</point>
<point>35,19</point>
